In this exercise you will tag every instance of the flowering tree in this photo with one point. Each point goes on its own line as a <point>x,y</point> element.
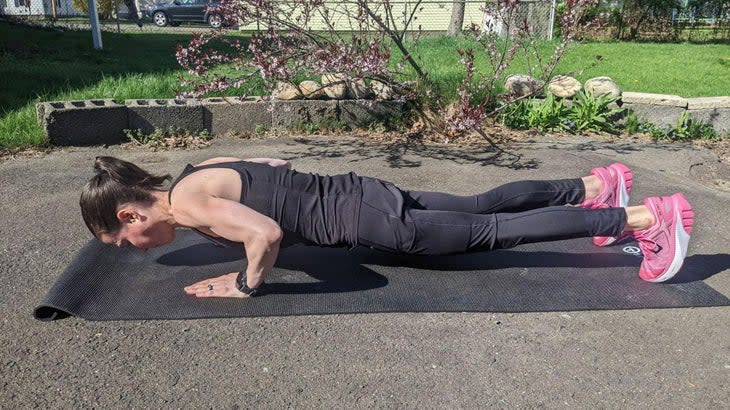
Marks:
<point>506,34</point>
<point>355,44</point>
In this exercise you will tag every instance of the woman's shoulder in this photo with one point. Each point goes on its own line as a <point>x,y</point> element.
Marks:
<point>218,160</point>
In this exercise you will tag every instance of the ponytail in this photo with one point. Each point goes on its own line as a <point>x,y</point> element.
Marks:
<point>116,182</point>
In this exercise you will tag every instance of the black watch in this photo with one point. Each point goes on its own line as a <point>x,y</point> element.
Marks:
<point>241,285</point>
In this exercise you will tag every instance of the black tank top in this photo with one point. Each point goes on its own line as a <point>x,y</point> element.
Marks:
<point>323,210</point>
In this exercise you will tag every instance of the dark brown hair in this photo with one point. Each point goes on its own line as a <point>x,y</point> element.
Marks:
<point>116,182</point>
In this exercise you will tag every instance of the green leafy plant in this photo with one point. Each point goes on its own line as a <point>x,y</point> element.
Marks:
<point>549,115</point>
<point>686,128</point>
<point>689,128</point>
<point>591,113</point>
<point>516,115</point>
<point>631,122</point>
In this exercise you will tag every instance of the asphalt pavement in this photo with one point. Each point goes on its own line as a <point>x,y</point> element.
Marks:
<point>657,358</point>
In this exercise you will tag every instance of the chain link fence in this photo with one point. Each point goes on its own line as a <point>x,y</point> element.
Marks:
<point>693,20</point>
<point>429,16</point>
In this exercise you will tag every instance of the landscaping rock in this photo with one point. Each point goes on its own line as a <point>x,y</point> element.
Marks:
<point>564,86</point>
<point>358,90</point>
<point>224,115</point>
<point>600,86</point>
<point>335,86</point>
<point>287,91</point>
<point>86,122</point>
<point>382,91</point>
<point>520,85</point>
<point>311,90</point>
<point>148,115</point>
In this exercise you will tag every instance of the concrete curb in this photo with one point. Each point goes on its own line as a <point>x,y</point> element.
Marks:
<point>94,122</point>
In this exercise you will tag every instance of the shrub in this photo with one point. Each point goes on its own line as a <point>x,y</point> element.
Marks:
<point>590,113</point>
<point>587,113</point>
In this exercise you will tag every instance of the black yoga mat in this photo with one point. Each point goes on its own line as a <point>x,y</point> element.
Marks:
<point>107,283</point>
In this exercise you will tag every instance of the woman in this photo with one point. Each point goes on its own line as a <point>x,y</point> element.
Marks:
<point>258,202</point>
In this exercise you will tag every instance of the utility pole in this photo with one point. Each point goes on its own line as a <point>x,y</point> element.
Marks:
<point>94,20</point>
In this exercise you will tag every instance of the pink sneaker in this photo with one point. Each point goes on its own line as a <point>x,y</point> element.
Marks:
<point>617,180</point>
<point>664,244</point>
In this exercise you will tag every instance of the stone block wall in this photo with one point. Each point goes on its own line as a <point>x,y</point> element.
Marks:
<point>96,122</point>
<point>84,122</point>
<point>148,115</point>
<point>665,110</point>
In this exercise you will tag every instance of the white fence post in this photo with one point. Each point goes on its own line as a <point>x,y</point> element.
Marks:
<point>95,29</point>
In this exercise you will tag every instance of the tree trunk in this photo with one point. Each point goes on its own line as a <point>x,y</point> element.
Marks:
<point>457,18</point>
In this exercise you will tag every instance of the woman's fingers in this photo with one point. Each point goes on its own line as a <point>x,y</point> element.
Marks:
<point>221,286</point>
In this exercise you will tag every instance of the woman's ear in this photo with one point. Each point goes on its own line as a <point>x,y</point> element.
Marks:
<point>128,214</point>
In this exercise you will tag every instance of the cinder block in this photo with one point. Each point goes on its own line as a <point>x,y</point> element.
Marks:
<point>708,102</point>
<point>719,118</point>
<point>148,115</point>
<point>223,115</point>
<point>288,114</point>
<point>85,122</point>
<point>364,113</point>
<point>656,114</point>
<point>653,99</point>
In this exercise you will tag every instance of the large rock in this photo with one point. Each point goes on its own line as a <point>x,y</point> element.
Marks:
<point>599,86</point>
<point>563,86</point>
<point>311,90</point>
<point>287,91</point>
<point>358,90</point>
<point>382,91</point>
<point>335,86</point>
<point>520,85</point>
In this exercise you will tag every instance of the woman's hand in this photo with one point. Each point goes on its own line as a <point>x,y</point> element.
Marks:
<point>219,287</point>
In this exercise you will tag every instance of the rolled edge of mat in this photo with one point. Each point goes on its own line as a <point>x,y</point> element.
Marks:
<point>49,313</point>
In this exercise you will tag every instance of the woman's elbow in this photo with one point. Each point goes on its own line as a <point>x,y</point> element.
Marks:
<point>272,235</point>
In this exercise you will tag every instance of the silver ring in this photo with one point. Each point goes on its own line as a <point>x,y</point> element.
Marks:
<point>210,287</point>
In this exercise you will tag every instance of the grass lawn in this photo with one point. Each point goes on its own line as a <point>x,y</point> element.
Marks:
<point>45,64</point>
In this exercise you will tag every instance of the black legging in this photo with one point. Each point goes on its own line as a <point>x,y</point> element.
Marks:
<point>435,223</point>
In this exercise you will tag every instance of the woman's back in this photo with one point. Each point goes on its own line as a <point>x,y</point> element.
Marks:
<point>320,209</point>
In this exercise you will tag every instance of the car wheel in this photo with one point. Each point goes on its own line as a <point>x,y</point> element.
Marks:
<point>215,21</point>
<point>160,18</point>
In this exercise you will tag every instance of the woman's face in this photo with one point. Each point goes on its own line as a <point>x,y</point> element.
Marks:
<point>143,228</point>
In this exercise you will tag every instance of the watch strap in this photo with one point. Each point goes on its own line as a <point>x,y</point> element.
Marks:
<point>243,287</point>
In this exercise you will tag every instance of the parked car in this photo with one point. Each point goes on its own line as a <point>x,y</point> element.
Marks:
<point>173,12</point>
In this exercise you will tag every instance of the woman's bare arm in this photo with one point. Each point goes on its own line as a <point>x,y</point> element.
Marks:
<point>259,234</point>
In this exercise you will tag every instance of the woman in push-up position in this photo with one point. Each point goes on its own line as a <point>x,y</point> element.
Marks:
<point>257,202</point>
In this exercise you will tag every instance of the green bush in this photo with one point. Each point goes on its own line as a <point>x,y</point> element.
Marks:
<point>590,113</point>
<point>515,115</point>
<point>551,114</point>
